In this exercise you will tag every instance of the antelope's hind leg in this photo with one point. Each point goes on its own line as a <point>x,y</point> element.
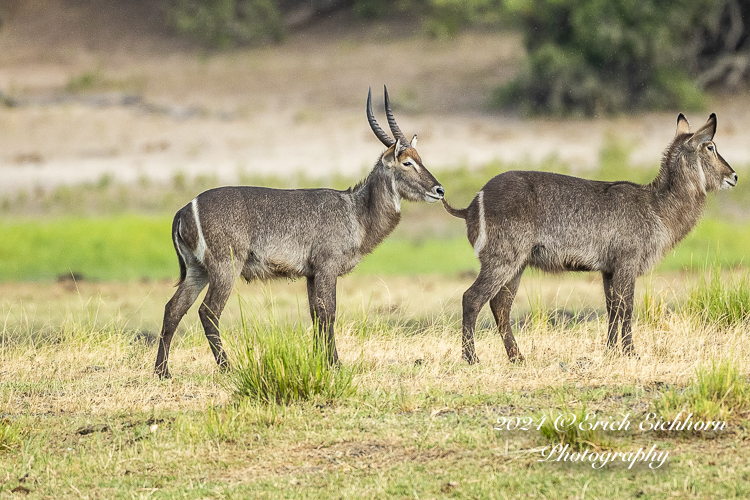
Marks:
<point>488,284</point>
<point>186,294</point>
<point>220,286</point>
<point>501,304</point>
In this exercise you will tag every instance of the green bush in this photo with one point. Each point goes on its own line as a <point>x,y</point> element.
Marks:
<point>591,57</point>
<point>223,23</point>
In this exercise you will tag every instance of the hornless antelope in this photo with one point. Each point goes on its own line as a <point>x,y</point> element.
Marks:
<point>560,223</point>
<point>263,233</point>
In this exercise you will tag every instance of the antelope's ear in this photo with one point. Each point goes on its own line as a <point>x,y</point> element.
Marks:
<point>705,133</point>
<point>413,142</point>
<point>390,157</point>
<point>683,127</point>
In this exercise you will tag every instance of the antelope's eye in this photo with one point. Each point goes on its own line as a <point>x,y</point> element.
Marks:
<point>710,147</point>
<point>408,164</point>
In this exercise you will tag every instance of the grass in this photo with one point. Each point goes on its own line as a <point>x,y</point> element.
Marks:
<point>125,247</point>
<point>569,427</point>
<point>276,363</point>
<point>133,247</point>
<point>717,394</point>
<point>720,300</point>
<point>9,436</point>
<point>86,407</point>
<point>82,415</point>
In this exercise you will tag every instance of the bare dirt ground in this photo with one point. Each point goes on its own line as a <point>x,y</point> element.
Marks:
<point>108,91</point>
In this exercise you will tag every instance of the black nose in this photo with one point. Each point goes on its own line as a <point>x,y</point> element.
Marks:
<point>735,178</point>
<point>439,190</point>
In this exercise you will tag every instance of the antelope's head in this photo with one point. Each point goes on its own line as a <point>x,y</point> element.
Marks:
<point>412,180</point>
<point>713,171</point>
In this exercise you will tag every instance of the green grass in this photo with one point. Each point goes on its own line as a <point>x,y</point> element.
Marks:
<point>126,247</point>
<point>404,257</point>
<point>718,393</point>
<point>9,436</point>
<point>720,300</point>
<point>713,241</point>
<point>47,234</point>
<point>277,363</point>
<point>132,247</point>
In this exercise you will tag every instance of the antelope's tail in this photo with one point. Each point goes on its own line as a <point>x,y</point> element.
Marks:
<point>455,212</point>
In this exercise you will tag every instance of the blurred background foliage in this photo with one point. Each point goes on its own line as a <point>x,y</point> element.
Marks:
<point>585,57</point>
<point>222,23</point>
<point>603,56</point>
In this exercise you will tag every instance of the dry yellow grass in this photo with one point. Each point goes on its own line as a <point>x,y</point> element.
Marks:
<point>404,332</point>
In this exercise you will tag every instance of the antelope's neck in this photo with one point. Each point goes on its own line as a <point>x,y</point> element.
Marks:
<point>378,208</point>
<point>679,204</point>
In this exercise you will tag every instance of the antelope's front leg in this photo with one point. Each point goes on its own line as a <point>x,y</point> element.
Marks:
<point>627,316</point>
<point>321,293</point>
<point>621,294</point>
<point>613,323</point>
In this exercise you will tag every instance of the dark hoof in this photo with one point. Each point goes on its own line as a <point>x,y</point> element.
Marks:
<point>517,359</point>
<point>163,374</point>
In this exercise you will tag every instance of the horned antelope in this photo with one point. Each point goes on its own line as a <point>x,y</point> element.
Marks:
<point>263,233</point>
<point>560,223</point>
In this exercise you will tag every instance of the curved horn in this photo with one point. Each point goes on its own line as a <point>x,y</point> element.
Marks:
<point>392,121</point>
<point>374,124</point>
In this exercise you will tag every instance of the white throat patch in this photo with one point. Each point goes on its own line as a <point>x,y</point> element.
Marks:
<point>396,197</point>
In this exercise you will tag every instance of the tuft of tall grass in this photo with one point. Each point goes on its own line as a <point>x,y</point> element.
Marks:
<point>276,363</point>
<point>653,307</point>
<point>718,300</point>
<point>718,392</point>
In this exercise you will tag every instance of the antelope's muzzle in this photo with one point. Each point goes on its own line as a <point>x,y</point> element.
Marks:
<point>436,194</point>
